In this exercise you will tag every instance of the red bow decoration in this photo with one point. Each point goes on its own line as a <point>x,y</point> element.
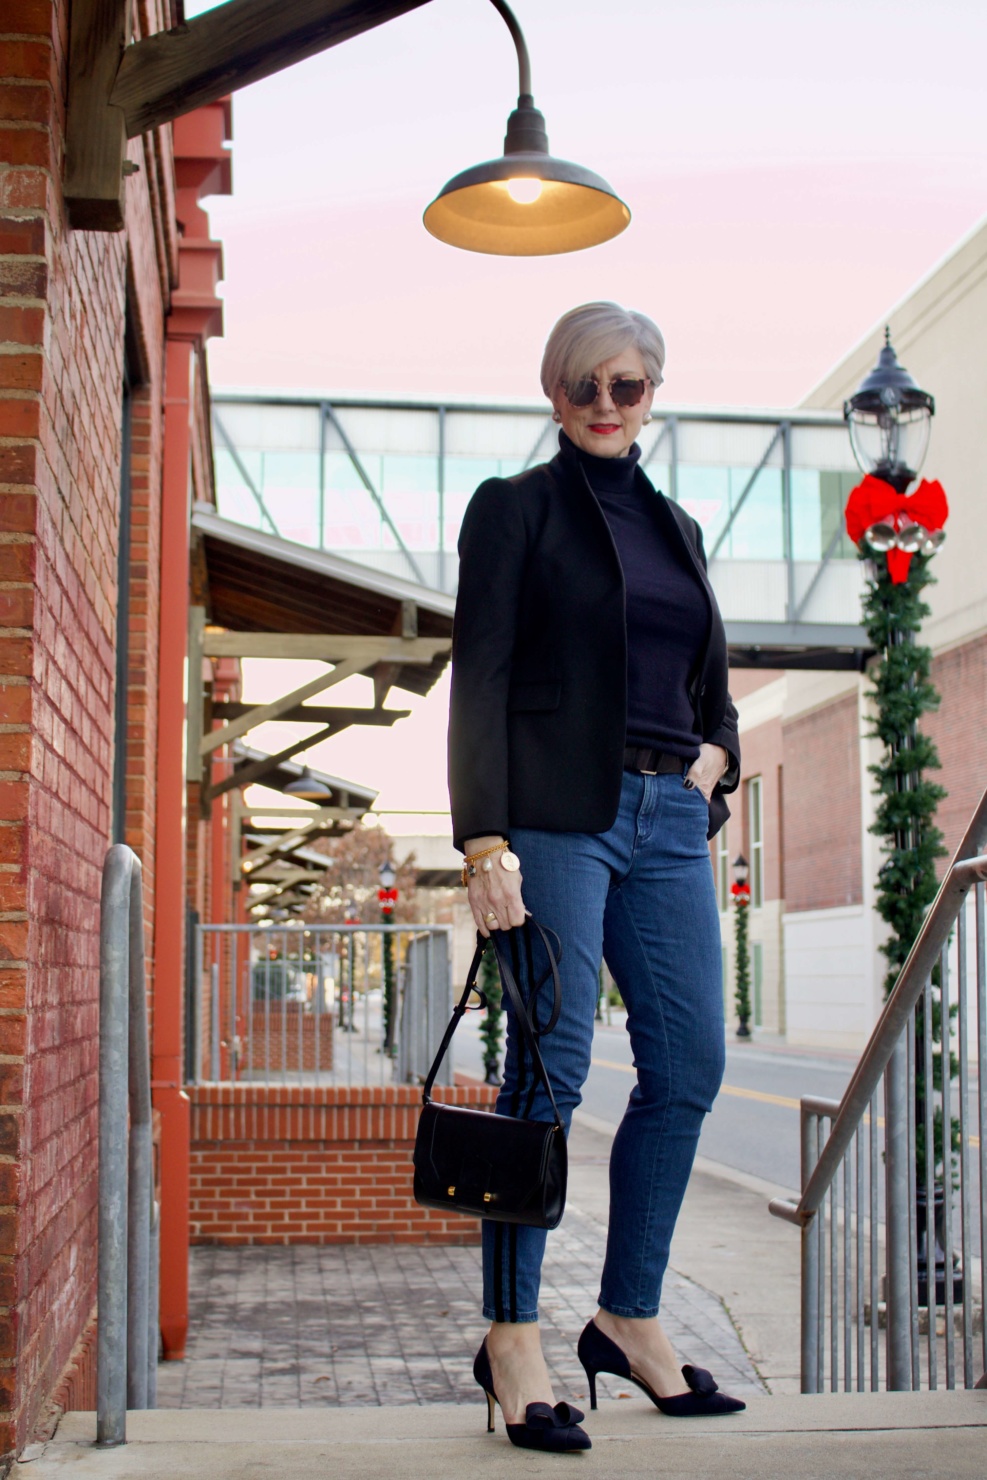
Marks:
<point>875,502</point>
<point>741,892</point>
<point>386,898</point>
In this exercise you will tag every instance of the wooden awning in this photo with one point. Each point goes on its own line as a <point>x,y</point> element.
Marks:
<point>259,583</point>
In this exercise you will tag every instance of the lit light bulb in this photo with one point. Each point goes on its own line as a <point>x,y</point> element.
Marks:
<point>524,191</point>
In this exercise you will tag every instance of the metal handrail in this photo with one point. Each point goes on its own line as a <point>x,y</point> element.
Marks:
<point>126,1346</point>
<point>969,865</point>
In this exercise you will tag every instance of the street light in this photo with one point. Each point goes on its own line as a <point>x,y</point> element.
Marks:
<point>308,787</point>
<point>741,891</point>
<point>526,204</point>
<point>890,419</point>
<point>387,896</point>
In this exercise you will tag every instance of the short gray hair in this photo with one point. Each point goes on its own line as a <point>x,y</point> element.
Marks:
<point>587,336</point>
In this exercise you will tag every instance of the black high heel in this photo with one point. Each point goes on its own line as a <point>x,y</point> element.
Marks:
<point>599,1354</point>
<point>544,1427</point>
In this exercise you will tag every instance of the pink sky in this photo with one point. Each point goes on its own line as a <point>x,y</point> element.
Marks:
<point>784,193</point>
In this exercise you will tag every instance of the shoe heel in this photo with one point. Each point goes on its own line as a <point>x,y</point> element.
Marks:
<point>591,1379</point>
<point>491,1406</point>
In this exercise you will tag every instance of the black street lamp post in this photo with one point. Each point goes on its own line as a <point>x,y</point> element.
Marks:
<point>387,896</point>
<point>889,421</point>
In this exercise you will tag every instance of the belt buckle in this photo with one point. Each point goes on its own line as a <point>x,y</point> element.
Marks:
<point>644,769</point>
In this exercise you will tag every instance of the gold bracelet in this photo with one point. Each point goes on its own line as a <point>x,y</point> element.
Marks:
<point>469,861</point>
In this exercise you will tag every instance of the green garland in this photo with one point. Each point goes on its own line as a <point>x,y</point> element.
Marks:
<point>491,1026</point>
<point>903,692</point>
<point>905,816</point>
<point>742,968</point>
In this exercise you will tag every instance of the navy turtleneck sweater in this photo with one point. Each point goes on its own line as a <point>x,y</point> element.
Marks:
<point>667,616</point>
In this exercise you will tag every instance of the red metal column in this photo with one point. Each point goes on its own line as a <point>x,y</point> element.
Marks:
<point>167,1075</point>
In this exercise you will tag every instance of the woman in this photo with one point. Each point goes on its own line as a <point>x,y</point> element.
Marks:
<point>591,741</point>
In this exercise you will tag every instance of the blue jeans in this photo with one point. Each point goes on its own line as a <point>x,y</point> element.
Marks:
<point>641,896</point>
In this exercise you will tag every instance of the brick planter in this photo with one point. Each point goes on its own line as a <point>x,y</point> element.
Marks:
<point>300,1165</point>
<point>286,1039</point>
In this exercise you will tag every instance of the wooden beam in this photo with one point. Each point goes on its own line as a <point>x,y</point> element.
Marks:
<point>95,133</point>
<point>172,72</point>
<point>254,770</point>
<point>318,814</point>
<point>324,647</point>
<point>317,714</point>
<point>261,713</point>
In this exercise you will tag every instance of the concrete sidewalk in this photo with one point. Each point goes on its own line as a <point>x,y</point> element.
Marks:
<point>881,1436</point>
<point>389,1325</point>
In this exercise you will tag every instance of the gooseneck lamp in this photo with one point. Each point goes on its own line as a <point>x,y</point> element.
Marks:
<point>526,204</point>
<point>889,419</point>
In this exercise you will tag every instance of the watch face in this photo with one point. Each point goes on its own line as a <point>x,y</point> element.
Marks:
<point>510,861</point>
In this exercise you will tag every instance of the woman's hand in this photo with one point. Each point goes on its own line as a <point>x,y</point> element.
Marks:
<point>495,892</point>
<point>710,764</point>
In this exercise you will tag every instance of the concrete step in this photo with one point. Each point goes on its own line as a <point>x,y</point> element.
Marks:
<point>879,1436</point>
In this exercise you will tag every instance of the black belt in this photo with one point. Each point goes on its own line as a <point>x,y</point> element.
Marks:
<point>652,762</point>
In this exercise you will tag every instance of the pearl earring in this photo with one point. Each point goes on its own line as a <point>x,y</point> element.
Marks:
<point>556,416</point>
<point>647,417</point>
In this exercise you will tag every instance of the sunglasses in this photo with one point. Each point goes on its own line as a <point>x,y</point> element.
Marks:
<point>623,391</point>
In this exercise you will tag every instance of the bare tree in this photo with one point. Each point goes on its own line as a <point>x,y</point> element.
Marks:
<point>353,878</point>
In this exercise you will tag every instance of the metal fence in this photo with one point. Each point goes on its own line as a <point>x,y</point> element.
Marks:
<point>894,1239</point>
<point>319,1004</point>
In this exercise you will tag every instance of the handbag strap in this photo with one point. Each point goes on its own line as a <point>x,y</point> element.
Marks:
<point>529,1032</point>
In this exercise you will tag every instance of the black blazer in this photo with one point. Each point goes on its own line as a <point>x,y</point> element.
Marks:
<point>539,658</point>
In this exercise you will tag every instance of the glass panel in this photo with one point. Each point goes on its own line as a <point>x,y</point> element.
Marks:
<point>758,532</point>
<point>834,490</point>
<point>290,488</point>
<point>409,489</point>
<point>754,825</point>
<point>234,499</point>
<point>705,494</point>
<point>659,474</point>
<point>352,520</point>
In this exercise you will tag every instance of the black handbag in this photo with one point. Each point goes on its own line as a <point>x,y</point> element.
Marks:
<point>508,1169</point>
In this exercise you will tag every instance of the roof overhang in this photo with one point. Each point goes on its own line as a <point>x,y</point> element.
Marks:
<point>257,582</point>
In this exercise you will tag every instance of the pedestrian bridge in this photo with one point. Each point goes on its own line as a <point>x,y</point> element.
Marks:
<point>384,483</point>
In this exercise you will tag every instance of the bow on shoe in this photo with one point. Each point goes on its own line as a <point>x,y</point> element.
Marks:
<point>699,1380</point>
<point>541,1416</point>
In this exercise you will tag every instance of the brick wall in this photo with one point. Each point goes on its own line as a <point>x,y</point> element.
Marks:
<point>822,818</point>
<point>959,729</point>
<point>65,297</point>
<point>315,1166</point>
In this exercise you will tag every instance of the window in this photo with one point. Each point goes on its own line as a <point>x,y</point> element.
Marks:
<point>755,836</point>
<point>722,869</point>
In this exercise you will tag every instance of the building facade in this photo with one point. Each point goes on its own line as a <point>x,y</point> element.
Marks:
<point>104,443</point>
<point>805,735</point>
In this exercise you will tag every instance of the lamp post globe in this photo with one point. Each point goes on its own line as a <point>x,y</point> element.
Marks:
<point>741,869</point>
<point>889,420</point>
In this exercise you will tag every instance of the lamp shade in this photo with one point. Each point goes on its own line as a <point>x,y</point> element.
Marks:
<point>308,787</point>
<point>526,204</point>
<point>741,869</point>
<point>889,419</point>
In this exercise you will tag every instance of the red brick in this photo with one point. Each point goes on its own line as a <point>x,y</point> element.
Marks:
<point>16,608</point>
<point>21,326</point>
<point>13,1028</point>
<point>18,511</point>
<point>20,236</point>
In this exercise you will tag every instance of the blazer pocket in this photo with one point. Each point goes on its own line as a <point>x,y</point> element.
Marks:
<point>533,696</point>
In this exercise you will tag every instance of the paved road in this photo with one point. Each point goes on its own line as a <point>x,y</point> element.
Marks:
<point>754,1126</point>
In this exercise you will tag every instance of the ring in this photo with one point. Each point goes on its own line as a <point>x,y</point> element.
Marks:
<point>491,916</point>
